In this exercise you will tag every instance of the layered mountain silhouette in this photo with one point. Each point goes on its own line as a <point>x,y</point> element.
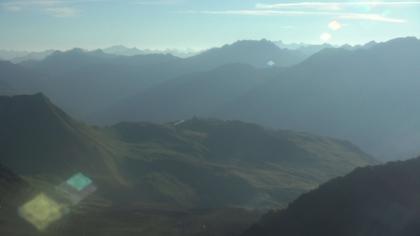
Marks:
<point>193,163</point>
<point>16,79</point>
<point>126,51</point>
<point>181,147</point>
<point>341,93</point>
<point>20,56</point>
<point>380,200</point>
<point>337,92</point>
<point>200,93</point>
<point>306,49</point>
<point>101,80</point>
<point>255,53</point>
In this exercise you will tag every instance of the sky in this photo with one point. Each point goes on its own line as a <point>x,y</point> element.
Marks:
<point>198,24</point>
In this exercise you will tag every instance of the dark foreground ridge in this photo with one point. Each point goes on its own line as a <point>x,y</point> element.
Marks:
<point>372,201</point>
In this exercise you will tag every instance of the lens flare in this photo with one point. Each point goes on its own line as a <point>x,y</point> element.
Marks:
<point>335,25</point>
<point>42,211</point>
<point>79,181</point>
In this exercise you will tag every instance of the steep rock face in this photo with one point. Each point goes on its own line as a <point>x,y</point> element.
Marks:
<point>379,200</point>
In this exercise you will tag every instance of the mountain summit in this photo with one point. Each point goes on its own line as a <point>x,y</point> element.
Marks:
<point>37,137</point>
<point>252,52</point>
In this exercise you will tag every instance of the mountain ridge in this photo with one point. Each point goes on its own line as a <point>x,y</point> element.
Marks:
<point>171,163</point>
<point>378,200</point>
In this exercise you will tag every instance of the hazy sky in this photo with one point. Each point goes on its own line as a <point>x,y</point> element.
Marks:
<point>63,24</point>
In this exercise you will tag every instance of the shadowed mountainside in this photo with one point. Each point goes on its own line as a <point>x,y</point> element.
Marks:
<point>102,80</point>
<point>372,201</point>
<point>341,93</point>
<point>337,92</point>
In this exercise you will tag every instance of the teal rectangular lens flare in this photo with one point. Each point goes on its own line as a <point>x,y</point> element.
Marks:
<point>79,181</point>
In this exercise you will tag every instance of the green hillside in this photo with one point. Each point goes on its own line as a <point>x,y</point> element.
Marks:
<point>207,163</point>
<point>165,172</point>
<point>216,163</point>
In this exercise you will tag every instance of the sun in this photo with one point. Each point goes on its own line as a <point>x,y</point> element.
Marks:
<point>325,37</point>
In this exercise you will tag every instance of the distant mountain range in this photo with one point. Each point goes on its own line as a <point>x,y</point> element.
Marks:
<point>336,92</point>
<point>305,49</point>
<point>372,201</point>
<point>120,50</point>
<point>341,93</point>
<point>20,56</point>
<point>102,80</point>
<point>16,79</point>
<point>199,93</point>
<point>255,53</point>
<point>125,51</point>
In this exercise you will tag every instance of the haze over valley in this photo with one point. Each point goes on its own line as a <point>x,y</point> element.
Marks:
<point>203,118</point>
<point>254,81</point>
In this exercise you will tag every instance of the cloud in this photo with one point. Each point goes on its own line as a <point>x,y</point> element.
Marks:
<point>56,8</point>
<point>371,17</point>
<point>251,12</point>
<point>360,10</point>
<point>62,11</point>
<point>340,15</point>
<point>12,8</point>
<point>69,8</point>
<point>157,2</point>
<point>299,5</point>
<point>336,6</point>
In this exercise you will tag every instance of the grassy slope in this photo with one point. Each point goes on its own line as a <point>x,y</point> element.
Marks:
<point>143,169</point>
<point>98,216</point>
<point>215,163</point>
<point>199,163</point>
